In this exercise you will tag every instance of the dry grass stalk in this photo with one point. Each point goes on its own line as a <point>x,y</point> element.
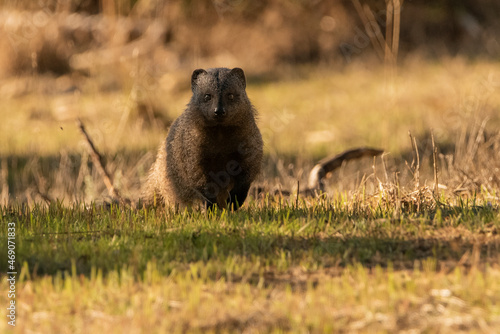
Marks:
<point>396,28</point>
<point>40,181</point>
<point>4,178</point>
<point>386,48</point>
<point>392,29</point>
<point>434,164</point>
<point>298,192</point>
<point>367,24</point>
<point>415,164</point>
<point>475,165</point>
<point>108,7</point>
<point>421,198</point>
<point>389,194</point>
<point>379,43</point>
<point>388,32</point>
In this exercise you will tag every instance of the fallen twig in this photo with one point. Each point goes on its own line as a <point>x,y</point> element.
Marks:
<point>329,164</point>
<point>99,163</point>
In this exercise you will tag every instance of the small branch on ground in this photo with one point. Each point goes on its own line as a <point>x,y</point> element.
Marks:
<point>322,170</point>
<point>99,163</point>
<point>328,165</point>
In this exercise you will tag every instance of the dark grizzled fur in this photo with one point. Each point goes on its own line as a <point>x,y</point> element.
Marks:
<point>213,151</point>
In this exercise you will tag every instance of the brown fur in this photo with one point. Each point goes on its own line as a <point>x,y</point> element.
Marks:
<point>213,151</point>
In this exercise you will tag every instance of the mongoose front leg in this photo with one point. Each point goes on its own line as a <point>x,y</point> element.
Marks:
<point>238,195</point>
<point>221,199</point>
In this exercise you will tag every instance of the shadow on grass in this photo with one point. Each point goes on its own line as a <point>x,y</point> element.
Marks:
<point>52,253</point>
<point>72,177</point>
<point>41,179</point>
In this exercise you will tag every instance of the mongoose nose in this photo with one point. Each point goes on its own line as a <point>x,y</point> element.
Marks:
<point>219,111</point>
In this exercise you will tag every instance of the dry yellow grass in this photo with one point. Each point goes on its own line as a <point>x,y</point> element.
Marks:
<point>354,299</point>
<point>303,116</point>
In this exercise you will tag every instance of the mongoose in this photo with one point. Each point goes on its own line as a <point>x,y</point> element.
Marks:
<point>213,150</point>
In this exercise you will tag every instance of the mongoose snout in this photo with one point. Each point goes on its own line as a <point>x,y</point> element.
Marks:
<point>219,112</point>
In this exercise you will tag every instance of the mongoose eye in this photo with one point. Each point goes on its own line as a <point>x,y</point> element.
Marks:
<point>207,97</point>
<point>230,97</point>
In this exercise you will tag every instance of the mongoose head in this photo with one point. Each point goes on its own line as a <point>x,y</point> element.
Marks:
<point>219,96</point>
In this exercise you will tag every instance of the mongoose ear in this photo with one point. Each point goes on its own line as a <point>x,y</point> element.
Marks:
<point>238,72</point>
<point>194,77</point>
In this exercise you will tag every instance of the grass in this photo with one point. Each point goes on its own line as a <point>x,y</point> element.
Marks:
<point>317,267</point>
<point>352,107</point>
<point>382,252</point>
<point>313,233</point>
<point>331,110</point>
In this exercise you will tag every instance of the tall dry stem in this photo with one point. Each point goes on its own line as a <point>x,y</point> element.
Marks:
<point>4,178</point>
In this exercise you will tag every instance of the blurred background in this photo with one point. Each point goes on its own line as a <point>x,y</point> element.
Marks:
<point>325,76</point>
<point>63,36</point>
